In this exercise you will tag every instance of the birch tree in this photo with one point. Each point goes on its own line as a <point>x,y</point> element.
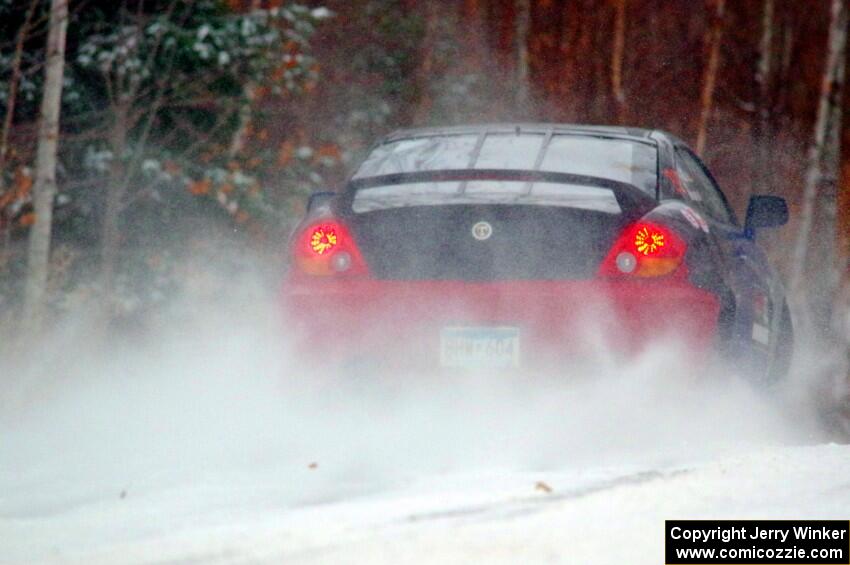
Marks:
<point>836,44</point>
<point>44,190</point>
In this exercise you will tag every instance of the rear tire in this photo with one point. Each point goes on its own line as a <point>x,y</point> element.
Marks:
<point>737,353</point>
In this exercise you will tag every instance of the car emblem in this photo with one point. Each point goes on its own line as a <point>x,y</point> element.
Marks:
<point>482,231</point>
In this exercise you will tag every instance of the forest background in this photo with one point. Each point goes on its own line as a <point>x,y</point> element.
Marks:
<point>139,137</point>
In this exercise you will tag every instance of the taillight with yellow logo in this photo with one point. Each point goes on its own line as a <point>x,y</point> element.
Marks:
<point>644,249</point>
<point>327,248</point>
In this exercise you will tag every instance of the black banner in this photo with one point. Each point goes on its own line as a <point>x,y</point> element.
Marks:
<point>762,542</point>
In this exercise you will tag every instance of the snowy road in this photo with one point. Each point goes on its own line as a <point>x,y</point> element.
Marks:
<point>199,451</point>
<point>591,515</point>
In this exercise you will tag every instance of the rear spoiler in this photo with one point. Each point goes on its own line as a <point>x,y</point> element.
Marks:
<point>633,201</point>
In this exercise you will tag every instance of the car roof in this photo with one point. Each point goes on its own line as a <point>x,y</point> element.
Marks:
<point>618,132</point>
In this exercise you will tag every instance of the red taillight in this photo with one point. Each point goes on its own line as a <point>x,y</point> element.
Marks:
<point>644,249</point>
<point>327,248</point>
<point>323,239</point>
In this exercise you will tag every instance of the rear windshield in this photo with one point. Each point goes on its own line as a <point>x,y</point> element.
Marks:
<point>620,160</point>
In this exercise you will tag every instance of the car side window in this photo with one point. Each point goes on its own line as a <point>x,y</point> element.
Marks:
<point>701,187</point>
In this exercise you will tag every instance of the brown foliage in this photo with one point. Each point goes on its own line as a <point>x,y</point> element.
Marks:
<point>200,187</point>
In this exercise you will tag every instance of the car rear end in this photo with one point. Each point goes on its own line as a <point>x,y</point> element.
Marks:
<point>495,249</point>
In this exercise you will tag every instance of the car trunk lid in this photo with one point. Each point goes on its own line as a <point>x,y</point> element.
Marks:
<point>488,225</point>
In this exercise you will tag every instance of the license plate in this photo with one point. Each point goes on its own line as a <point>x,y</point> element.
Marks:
<point>479,347</point>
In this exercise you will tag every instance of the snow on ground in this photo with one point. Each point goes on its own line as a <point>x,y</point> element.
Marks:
<point>591,515</point>
<point>201,443</point>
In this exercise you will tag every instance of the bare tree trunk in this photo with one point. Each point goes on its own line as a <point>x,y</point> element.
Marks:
<point>123,96</point>
<point>814,173</point>
<point>843,194</point>
<point>44,189</point>
<point>822,253</point>
<point>761,181</point>
<point>715,40</point>
<point>425,72</point>
<point>476,54</point>
<point>787,43</point>
<point>840,322</point>
<point>765,62</point>
<point>111,235</point>
<point>617,54</point>
<point>240,136</point>
<point>522,30</point>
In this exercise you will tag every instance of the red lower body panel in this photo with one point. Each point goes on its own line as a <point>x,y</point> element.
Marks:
<point>404,323</point>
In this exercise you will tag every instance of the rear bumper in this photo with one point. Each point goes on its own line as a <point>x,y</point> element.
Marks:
<point>399,323</point>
